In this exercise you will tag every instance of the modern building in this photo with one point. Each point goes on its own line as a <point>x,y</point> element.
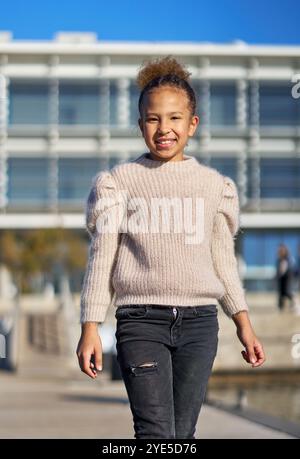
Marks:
<point>68,108</point>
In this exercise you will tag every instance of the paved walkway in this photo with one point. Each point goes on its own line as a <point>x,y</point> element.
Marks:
<point>49,397</point>
<point>43,403</point>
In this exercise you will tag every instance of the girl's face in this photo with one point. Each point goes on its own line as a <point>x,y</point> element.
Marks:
<point>166,122</point>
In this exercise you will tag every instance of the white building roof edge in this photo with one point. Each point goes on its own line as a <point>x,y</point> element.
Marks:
<point>236,48</point>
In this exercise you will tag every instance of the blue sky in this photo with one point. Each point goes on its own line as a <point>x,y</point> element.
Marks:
<point>254,21</point>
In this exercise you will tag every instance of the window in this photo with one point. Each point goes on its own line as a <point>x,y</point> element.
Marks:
<point>277,106</point>
<point>201,108</point>
<point>113,161</point>
<point>226,166</point>
<point>75,177</point>
<point>27,180</point>
<point>113,103</point>
<point>280,177</point>
<point>28,103</point>
<point>134,99</point>
<point>223,104</point>
<point>79,103</point>
<point>260,246</point>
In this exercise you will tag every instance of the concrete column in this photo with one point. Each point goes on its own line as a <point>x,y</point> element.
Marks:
<point>53,134</point>
<point>254,104</point>
<point>54,103</point>
<point>104,85</point>
<point>123,104</point>
<point>241,103</point>
<point>255,170</point>
<point>53,138</point>
<point>254,93</point>
<point>205,134</point>
<point>53,182</point>
<point>242,176</point>
<point>4,101</point>
<point>104,102</point>
<point>103,142</point>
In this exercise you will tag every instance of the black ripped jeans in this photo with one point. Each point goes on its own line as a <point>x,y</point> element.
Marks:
<point>166,356</point>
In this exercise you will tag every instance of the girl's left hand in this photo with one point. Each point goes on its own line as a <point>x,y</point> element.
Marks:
<point>254,352</point>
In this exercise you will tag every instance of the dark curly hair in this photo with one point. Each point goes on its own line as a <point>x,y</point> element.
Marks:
<point>166,71</point>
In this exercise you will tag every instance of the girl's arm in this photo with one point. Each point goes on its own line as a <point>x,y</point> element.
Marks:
<point>97,292</point>
<point>233,302</point>
<point>225,229</point>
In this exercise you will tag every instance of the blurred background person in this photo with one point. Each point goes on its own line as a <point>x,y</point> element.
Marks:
<point>284,277</point>
<point>297,269</point>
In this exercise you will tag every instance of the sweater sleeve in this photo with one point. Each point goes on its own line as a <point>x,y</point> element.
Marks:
<point>226,226</point>
<point>97,291</point>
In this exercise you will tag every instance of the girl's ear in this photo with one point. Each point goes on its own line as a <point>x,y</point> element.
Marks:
<point>193,125</point>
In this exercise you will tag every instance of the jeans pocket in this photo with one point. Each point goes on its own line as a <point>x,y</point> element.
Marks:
<point>210,310</point>
<point>131,312</point>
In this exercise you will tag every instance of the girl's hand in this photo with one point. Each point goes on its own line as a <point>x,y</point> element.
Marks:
<point>89,352</point>
<point>253,353</point>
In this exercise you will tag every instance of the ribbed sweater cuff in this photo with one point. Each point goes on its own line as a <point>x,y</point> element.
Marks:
<point>231,306</point>
<point>93,313</point>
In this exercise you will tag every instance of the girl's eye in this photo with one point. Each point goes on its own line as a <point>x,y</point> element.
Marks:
<point>154,119</point>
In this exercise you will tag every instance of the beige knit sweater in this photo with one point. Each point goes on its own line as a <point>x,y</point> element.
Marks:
<point>161,233</point>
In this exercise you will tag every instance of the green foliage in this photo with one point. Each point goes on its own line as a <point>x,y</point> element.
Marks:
<point>28,253</point>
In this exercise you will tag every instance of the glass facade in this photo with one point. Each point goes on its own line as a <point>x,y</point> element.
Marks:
<point>259,249</point>
<point>280,177</point>
<point>201,108</point>
<point>113,161</point>
<point>277,107</point>
<point>134,98</point>
<point>74,177</point>
<point>79,103</point>
<point>28,180</point>
<point>28,103</point>
<point>222,104</point>
<point>226,166</point>
<point>113,103</point>
<point>28,177</point>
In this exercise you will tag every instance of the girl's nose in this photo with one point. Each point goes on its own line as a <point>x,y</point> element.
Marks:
<point>163,129</point>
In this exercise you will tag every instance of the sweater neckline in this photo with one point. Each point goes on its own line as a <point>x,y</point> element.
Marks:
<point>187,162</point>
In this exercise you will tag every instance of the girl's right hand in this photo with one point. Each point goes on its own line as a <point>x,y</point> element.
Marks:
<point>89,352</point>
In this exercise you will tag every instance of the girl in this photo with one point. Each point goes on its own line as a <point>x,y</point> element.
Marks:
<point>166,281</point>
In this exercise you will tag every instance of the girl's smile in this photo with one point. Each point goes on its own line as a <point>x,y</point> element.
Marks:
<point>165,143</point>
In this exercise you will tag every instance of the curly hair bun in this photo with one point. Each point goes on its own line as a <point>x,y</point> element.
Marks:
<point>160,67</point>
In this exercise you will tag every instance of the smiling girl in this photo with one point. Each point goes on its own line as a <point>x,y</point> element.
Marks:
<point>166,286</point>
